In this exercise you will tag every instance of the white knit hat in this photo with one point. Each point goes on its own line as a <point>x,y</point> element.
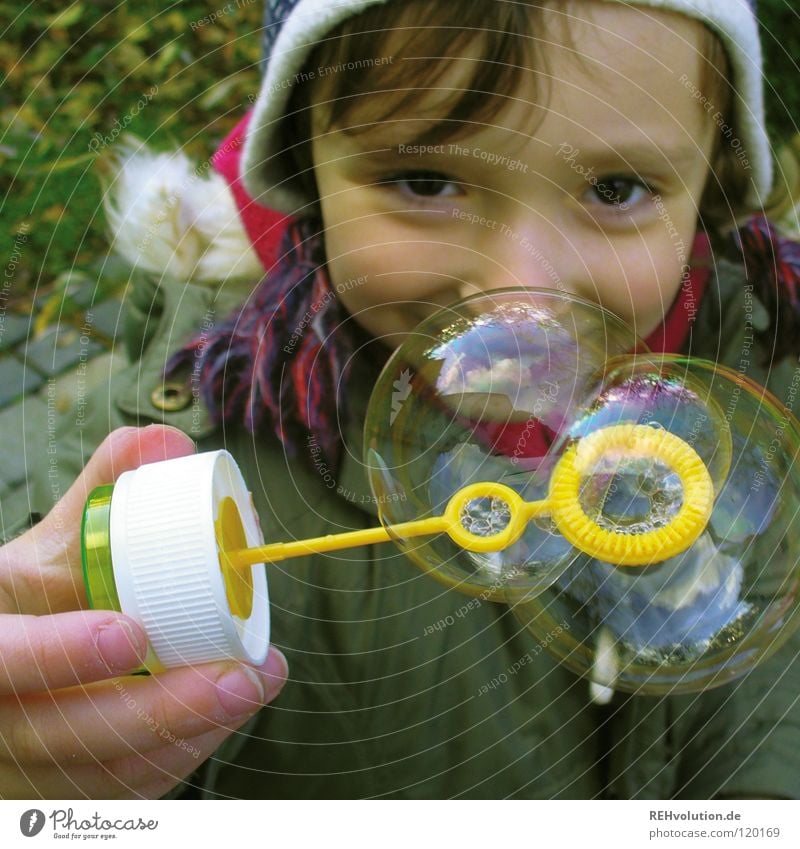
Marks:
<point>294,27</point>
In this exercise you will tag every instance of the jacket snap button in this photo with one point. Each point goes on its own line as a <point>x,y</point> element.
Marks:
<point>171,396</point>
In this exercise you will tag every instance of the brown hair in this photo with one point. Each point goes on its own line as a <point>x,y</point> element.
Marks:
<point>501,37</point>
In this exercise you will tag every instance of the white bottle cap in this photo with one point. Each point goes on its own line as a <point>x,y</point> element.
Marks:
<point>165,555</point>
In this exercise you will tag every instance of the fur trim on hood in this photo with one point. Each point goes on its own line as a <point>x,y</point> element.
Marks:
<point>169,217</point>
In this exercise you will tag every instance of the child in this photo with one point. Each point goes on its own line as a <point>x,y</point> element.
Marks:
<point>424,151</point>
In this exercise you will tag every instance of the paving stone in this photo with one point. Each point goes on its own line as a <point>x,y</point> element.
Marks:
<point>84,295</point>
<point>16,380</point>
<point>14,509</point>
<point>106,319</point>
<point>24,427</point>
<point>13,330</point>
<point>59,349</point>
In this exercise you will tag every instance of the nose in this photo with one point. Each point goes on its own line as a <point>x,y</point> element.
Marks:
<point>527,251</point>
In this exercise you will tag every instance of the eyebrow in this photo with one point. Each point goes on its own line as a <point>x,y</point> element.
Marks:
<point>678,155</point>
<point>624,153</point>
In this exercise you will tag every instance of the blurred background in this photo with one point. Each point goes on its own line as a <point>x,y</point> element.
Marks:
<point>73,76</point>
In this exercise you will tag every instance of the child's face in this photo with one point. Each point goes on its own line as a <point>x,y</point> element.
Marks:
<point>596,193</point>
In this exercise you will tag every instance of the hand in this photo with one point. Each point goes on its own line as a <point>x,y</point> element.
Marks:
<point>68,728</point>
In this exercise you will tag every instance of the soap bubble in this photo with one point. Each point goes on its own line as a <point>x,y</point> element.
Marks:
<point>480,392</point>
<point>665,560</point>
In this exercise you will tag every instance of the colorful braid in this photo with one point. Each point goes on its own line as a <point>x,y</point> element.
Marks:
<point>278,361</point>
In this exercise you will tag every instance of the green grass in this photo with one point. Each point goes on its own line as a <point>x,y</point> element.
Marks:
<point>780,35</point>
<point>74,74</point>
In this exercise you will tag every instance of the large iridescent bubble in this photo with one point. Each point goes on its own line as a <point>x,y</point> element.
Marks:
<point>478,393</point>
<point>666,530</point>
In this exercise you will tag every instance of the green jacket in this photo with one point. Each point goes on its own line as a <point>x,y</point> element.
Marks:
<point>388,668</point>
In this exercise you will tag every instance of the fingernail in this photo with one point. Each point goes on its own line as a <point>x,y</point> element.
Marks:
<point>240,692</point>
<point>120,646</point>
<point>276,670</point>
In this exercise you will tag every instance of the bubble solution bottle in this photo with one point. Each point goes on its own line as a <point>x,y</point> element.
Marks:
<point>151,548</point>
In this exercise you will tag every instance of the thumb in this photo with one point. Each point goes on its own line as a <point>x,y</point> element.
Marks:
<point>40,562</point>
<point>122,450</point>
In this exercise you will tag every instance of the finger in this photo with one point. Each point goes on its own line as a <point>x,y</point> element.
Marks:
<point>122,450</point>
<point>154,774</point>
<point>32,567</point>
<point>132,715</point>
<point>144,776</point>
<point>51,652</point>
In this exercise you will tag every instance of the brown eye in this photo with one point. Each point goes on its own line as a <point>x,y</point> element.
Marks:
<point>427,184</point>
<point>621,192</point>
<point>616,190</point>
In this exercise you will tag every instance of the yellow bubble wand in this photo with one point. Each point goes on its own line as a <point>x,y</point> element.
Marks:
<point>562,505</point>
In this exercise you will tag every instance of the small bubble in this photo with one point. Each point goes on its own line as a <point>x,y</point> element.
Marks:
<point>485,517</point>
<point>631,495</point>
